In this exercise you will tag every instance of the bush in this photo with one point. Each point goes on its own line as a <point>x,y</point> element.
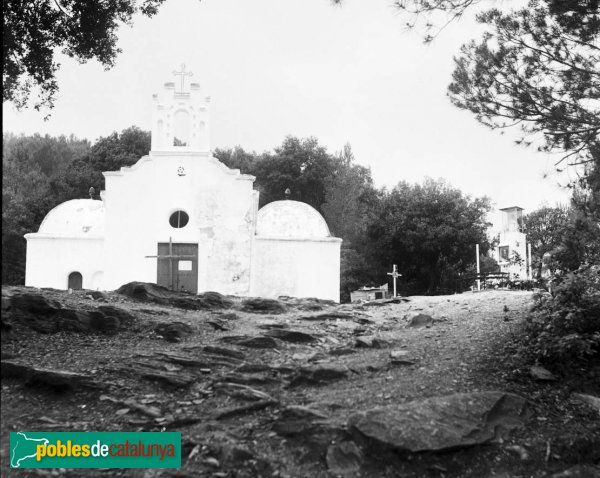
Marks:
<point>520,284</point>
<point>564,327</point>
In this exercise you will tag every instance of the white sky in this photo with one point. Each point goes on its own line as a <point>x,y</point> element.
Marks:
<point>306,68</point>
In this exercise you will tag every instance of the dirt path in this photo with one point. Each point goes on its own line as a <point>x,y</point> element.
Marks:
<point>469,347</point>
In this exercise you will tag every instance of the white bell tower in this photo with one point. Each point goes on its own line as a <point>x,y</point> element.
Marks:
<point>180,117</point>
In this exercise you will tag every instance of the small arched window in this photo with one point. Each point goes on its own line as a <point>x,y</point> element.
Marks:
<point>179,219</point>
<point>75,281</point>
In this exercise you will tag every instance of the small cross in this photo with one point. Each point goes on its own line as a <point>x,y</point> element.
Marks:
<point>182,74</point>
<point>395,275</point>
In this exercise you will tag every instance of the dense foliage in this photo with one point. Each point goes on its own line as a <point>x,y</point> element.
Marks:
<point>564,327</point>
<point>35,30</point>
<point>545,228</point>
<point>430,230</point>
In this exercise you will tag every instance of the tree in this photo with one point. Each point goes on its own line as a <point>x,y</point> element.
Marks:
<point>429,230</point>
<point>237,158</point>
<point>30,167</point>
<point>109,153</point>
<point>545,228</point>
<point>349,198</point>
<point>301,165</point>
<point>34,31</point>
<point>538,68</point>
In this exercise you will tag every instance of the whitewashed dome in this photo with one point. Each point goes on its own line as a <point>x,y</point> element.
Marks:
<point>291,219</point>
<point>77,217</point>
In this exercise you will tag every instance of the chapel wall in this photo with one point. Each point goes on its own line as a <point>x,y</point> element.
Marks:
<point>51,260</point>
<point>296,268</point>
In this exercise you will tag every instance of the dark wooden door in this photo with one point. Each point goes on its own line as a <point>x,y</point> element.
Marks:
<point>178,273</point>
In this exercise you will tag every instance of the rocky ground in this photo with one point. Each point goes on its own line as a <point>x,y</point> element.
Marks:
<point>419,387</point>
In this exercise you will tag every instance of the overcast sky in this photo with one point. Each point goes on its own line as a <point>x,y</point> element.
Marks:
<point>306,68</point>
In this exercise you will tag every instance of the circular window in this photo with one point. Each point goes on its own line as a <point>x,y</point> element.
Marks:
<point>179,219</point>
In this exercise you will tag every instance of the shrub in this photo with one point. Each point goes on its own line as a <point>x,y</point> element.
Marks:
<point>564,327</point>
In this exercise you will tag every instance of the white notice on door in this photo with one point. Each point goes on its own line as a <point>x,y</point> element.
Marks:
<point>185,265</point>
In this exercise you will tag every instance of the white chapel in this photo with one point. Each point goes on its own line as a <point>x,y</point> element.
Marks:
<point>182,219</point>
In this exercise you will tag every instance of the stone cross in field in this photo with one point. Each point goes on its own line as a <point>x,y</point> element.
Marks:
<point>395,275</point>
<point>171,257</point>
<point>182,74</point>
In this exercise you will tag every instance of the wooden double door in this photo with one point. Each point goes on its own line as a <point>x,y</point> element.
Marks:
<point>178,266</point>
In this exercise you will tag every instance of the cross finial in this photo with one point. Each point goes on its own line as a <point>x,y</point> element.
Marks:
<point>182,74</point>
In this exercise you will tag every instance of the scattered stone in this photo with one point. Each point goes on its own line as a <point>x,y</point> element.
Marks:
<point>520,451</point>
<point>320,374</point>
<point>248,379</point>
<point>173,331</point>
<point>370,342</point>
<point>301,412</point>
<point>254,368</point>
<point>48,316</point>
<point>200,361</point>
<point>230,412</point>
<point>329,316</point>
<point>96,295</point>
<point>307,303</point>
<point>364,321</point>
<point>590,400</point>
<point>210,461</point>
<point>229,316</point>
<point>444,422</point>
<point>541,374</point>
<point>218,325</point>
<point>242,391</point>
<point>342,351</point>
<point>344,459</point>
<point>58,379</point>
<point>579,471</point>
<point>224,352</point>
<point>272,326</point>
<point>148,292</point>
<point>293,336</point>
<point>259,305</point>
<point>382,302</point>
<point>176,380</point>
<point>400,357</point>
<point>259,342</point>
<point>151,411</point>
<point>125,317</point>
<point>298,420</point>
<point>34,311</point>
<point>107,324</point>
<point>420,320</point>
<point>234,455</point>
<point>153,312</point>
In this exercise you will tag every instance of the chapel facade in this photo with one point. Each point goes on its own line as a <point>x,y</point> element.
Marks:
<point>184,220</point>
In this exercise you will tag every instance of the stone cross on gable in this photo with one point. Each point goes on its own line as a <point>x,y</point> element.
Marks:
<point>182,74</point>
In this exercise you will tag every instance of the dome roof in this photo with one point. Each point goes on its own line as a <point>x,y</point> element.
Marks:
<point>78,217</point>
<point>291,219</point>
